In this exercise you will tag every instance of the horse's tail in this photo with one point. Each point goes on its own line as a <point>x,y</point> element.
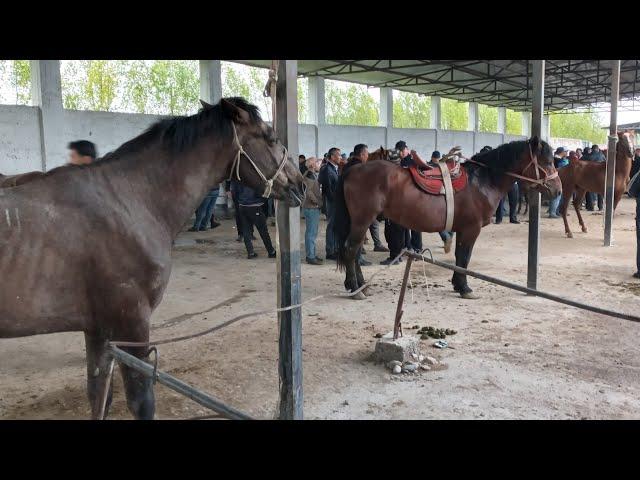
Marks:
<point>341,223</point>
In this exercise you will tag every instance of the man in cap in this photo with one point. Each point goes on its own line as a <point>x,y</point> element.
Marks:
<point>560,161</point>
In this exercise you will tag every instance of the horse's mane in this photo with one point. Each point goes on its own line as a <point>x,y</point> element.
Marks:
<point>179,133</point>
<point>501,159</point>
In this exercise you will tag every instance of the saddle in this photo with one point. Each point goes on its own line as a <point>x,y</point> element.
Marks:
<point>446,178</point>
<point>431,181</point>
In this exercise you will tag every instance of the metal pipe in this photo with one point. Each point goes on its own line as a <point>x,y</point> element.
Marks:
<point>529,291</point>
<point>178,386</point>
<point>534,195</point>
<point>609,188</point>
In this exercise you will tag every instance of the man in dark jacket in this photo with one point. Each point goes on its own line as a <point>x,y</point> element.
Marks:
<point>634,192</point>
<point>252,214</point>
<point>328,179</point>
<point>635,166</point>
<point>593,155</point>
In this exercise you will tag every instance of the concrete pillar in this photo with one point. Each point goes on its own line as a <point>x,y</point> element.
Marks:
<point>386,112</point>
<point>210,81</point>
<point>526,123</point>
<point>46,92</point>
<point>537,130</point>
<point>546,128</point>
<point>474,117</point>
<point>316,101</point>
<point>436,113</point>
<point>502,120</point>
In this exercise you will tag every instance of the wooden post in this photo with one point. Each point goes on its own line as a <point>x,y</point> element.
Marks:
<point>534,196</point>
<point>609,188</point>
<point>397,325</point>
<point>288,247</point>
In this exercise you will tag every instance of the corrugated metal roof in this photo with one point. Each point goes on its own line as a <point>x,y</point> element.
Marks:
<point>569,84</point>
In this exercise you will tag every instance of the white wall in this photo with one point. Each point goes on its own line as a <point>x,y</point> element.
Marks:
<point>20,146</point>
<point>345,137</point>
<point>20,149</point>
<point>421,140</point>
<point>107,130</point>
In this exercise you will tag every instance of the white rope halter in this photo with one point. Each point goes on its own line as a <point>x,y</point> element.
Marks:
<point>236,165</point>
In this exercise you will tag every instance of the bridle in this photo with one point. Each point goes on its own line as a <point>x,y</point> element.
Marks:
<point>236,164</point>
<point>536,168</point>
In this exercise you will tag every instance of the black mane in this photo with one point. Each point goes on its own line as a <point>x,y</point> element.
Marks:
<point>181,133</point>
<point>501,159</point>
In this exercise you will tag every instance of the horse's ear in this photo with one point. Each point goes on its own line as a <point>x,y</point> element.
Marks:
<point>234,112</point>
<point>534,142</point>
<point>204,104</point>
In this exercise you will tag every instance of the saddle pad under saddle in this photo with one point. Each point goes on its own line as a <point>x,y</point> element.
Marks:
<point>431,181</point>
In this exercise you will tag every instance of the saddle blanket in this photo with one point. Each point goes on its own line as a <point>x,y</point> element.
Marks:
<point>430,181</point>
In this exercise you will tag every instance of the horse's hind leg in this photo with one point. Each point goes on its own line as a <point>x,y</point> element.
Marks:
<point>577,204</point>
<point>98,373</point>
<point>566,198</point>
<point>360,279</point>
<point>354,278</point>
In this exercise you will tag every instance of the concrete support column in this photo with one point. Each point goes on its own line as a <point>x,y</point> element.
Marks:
<point>46,92</point>
<point>526,123</point>
<point>436,113</point>
<point>546,128</point>
<point>502,120</point>
<point>210,81</point>
<point>316,101</point>
<point>386,112</point>
<point>474,117</point>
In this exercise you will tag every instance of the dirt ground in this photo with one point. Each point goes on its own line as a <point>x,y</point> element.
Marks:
<point>514,357</point>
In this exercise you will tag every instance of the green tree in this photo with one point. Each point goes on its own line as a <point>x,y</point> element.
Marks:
<point>455,115</point>
<point>16,75</point>
<point>101,83</point>
<point>175,84</point>
<point>350,105</point>
<point>411,110</point>
<point>488,121</point>
<point>583,126</point>
<point>514,123</point>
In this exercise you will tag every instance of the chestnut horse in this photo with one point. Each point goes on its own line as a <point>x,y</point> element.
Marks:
<point>583,176</point>
<point>88,248</point>
<point>390,191</point>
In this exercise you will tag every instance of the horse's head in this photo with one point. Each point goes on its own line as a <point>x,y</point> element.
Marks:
<point>260,160</point>
<point>625,146</point>
<point>380,154</point>
<point>537,162</point>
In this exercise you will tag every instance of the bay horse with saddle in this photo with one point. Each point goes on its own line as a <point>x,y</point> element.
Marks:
<point>88,248</point>
<point>417,201</point>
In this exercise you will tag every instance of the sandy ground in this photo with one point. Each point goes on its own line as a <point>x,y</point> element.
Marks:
<point>513,357</point>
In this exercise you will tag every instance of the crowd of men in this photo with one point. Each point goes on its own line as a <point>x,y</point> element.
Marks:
<point>321,179</point>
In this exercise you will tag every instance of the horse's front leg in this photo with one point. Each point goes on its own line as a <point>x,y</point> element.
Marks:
<point>465,241</point>
<point>99,369</point>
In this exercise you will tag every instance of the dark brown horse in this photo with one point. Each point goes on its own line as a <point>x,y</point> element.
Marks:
<point>88,248</point>
<point>390,191</point>
<point>7,181</point>
<point>581,176</point>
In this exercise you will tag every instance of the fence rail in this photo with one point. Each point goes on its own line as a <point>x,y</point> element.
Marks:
<point>176,385</point>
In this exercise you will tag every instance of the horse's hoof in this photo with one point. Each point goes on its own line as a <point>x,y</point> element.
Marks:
<point>359,296</point>
<point>569,235</point>
<point>469,296</point>
<point>447,245</point>
<point>584,229</point>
